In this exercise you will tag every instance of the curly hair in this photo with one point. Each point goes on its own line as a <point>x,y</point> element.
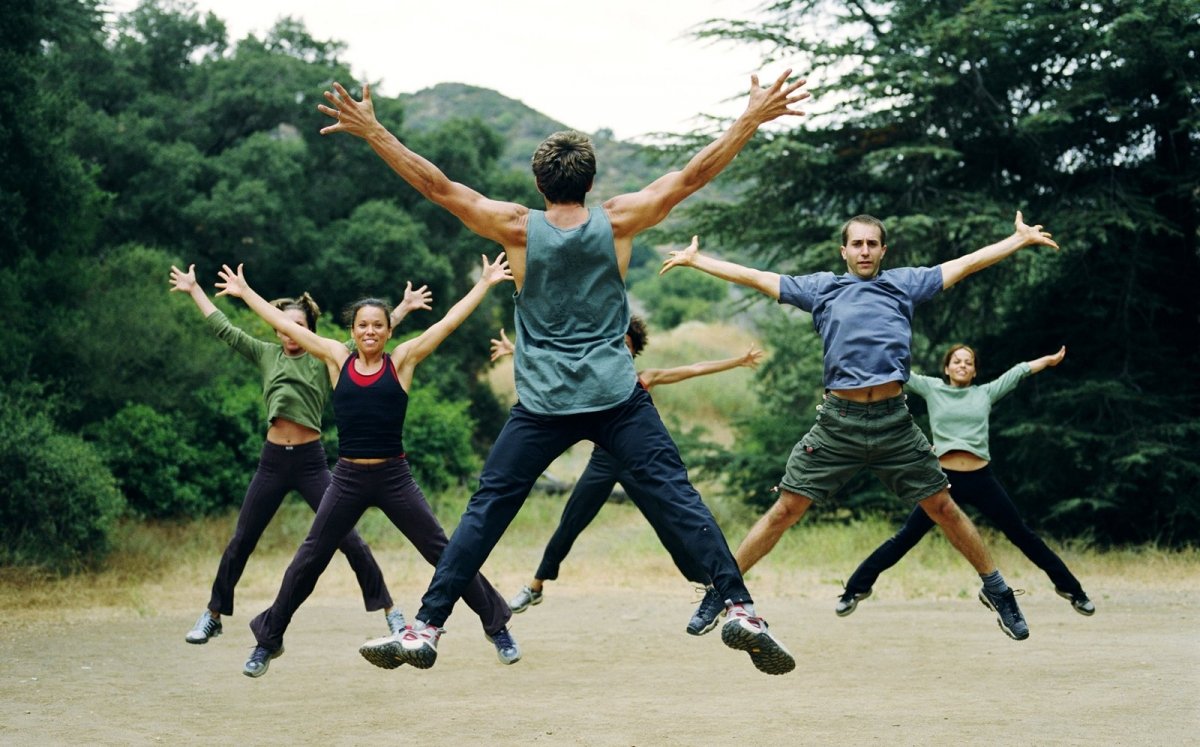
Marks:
<point>638,336</point>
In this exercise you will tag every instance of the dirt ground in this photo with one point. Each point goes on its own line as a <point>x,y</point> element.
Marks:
<point>612,666</point>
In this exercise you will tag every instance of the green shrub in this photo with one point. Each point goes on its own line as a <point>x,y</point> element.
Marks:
<point>58,501</point>
<point>437,437</point>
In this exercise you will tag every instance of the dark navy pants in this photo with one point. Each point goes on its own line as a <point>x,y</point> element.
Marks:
<point>352,489</point>
<point>634,434</point>
<point>981,489</point>
<point>281,469</point>
<point>591,492</point>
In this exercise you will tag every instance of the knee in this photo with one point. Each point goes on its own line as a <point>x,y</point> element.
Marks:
<point>788,509</point>
<point>942,508</point>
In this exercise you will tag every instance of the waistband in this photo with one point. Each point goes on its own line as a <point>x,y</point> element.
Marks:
<point>388,462</point>
<point>845,406</point>
<point>294,448</point>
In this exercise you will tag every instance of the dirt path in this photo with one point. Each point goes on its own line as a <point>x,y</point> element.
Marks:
<point>613,667</point>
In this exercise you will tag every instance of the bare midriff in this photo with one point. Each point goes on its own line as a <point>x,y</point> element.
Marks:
<point>876,393</point>
<point>961,461</point>
<point>285,432</point>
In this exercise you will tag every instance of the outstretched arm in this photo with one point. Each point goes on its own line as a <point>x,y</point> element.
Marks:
<point>408,354</point>
<point>501,222</point>
<point>637,211</point>
<point>1023,236</point>
<point>421,298</point>
<point>652,377</point>
<point>185,282</point>
<point>1040,364</point>
<point>762,281</point>
<point>502,347</point>
<point>232,283</point>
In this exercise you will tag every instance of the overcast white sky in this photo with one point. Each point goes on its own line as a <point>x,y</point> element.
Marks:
<point>623,64</point>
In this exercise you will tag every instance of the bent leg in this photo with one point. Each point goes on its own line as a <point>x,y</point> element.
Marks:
<point>588,496</point>
<point>988,495</point>
<point>311,482</point>
<point>766,532</point>
<point>960,530</point>
<point>890,552</point>
<point>341,508</point>
<point>263,497</point>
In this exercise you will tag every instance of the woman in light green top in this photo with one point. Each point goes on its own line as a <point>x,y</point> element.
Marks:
<point>958,418</point>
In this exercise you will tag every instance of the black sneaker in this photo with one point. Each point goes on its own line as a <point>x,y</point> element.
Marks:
<point>260,659</point>
<point>710,610</point>
<point>1008,614</point>
<point>206,627</point>
<point>849,601</point>
<point>1079,602</point>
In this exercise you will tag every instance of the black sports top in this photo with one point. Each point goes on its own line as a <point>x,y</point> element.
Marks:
<point>369,412</point>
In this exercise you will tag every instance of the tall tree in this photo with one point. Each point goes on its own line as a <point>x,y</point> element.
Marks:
<point>944,117</point>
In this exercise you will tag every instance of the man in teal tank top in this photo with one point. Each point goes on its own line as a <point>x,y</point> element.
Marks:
<point>575,377</point>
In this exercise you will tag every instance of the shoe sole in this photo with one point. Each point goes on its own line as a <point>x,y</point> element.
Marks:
<point>767,654</point>
<point>389,654</point>
<point>266,665</point>
<point>1000,619</point>
<point>853,605</point>
<point>203,640</point>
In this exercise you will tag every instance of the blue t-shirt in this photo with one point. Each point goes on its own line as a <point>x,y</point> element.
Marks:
<point>865,325</point>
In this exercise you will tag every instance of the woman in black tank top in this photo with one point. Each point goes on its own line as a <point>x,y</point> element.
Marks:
<point>370,392</point>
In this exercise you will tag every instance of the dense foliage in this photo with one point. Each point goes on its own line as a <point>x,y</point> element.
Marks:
<point>943,118</point>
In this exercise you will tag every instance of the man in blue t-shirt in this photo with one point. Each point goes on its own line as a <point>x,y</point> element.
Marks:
<point>575,377</point>
<point>864,318</point>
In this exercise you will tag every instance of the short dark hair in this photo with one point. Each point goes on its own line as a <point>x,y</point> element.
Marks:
<point>866,220</point>
<point>638,336</point>
<point>564,166</point>
<point>304,303</point>
<point>351,311</point>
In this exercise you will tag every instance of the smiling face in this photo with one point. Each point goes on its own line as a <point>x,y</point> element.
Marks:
<point>863,250</point>
<point>290,346</point>
<point>960,367</point>
<point>370,330</point>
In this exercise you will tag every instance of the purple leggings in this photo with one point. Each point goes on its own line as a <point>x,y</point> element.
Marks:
<point>352,489</point>
<point>282,469</point>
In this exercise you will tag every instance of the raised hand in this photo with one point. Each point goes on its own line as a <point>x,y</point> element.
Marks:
<point>752,357</point>
<point>495,272</point>
<point>421,298</point>
<point>353,117</point>
<point>775,100</point>
<point>1031,235</point>
<point>183,281</point>
<point>502,347</point>
<point>232,283</point>
<point>681,258</point>
<point>1054,360</point>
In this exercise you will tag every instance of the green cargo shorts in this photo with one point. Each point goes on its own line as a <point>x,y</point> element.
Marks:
<point>850,436</point>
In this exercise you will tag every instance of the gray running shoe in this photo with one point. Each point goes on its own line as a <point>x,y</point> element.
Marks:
<point>1008,614</point>
<point>849,602</point>
<point>524,599</point>
<point>745,632</point>
<point>1079,602</point>
<point>416,645</point>
<point>206,627</point>
<point>260,660</point>
<point>506,648</point>
<point>710,610</point>
<point>395,621</point>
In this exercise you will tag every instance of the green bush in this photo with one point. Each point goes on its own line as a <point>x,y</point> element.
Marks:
<point>58,501</point>
<point>437,437</point>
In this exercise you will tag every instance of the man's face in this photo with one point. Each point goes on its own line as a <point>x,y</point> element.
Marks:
<point>864,250</point>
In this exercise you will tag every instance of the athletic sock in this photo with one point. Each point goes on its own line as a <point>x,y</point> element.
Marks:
<point>994,582</point>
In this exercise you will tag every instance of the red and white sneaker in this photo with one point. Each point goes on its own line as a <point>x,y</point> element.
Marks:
<point>744,631</point>
<point>416,645</point>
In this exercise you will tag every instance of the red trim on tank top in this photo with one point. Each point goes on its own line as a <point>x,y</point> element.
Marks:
<point>361,379</point>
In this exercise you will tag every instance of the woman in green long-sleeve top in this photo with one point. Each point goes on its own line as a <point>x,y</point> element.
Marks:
<point>958,417</point>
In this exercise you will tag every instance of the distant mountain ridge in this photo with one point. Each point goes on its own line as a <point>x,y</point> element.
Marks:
<point>624,166</point>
